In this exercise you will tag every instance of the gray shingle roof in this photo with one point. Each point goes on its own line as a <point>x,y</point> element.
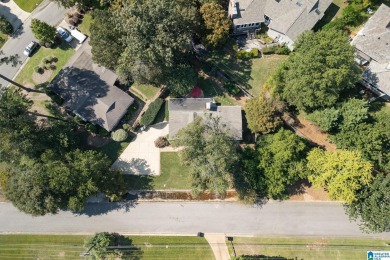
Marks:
<point>290,17</point>
<point>183,111</point>
<point>88,91</point>
<point>373,44</point>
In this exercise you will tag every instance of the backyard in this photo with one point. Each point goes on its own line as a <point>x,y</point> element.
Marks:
<point>306,248</point>
<point>144,92</point>
<point>29,5</point>
<point>70,247</point>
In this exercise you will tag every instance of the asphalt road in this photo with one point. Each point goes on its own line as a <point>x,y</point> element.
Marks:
<point>272,219</point>
<point>48,12</point>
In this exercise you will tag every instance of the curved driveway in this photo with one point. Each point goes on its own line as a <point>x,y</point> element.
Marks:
<point>273,219</point>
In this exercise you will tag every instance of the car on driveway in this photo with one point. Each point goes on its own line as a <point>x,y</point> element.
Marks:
<point>64,34</point>
<point>30,48</point>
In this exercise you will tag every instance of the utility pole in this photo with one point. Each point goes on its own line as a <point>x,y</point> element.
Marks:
<point>19,85</point>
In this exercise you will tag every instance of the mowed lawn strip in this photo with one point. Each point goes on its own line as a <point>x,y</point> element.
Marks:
<point>70,247</point>
<point>307,248</point>
<point>262,69</point>
<point>147,91</point>
<point>62,53</point>
<point>28,5</point>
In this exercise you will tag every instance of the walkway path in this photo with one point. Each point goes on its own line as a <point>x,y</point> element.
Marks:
<point>217,243</point>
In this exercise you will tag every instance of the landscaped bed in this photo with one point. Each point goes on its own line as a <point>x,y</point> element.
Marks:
<point>70,247</point>
<point>306,248</point>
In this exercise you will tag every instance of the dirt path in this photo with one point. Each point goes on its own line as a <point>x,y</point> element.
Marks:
<point>217,243</point>
<point>314,134</point>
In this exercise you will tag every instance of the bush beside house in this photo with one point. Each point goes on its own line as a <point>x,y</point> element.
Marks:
<point>151,112</point>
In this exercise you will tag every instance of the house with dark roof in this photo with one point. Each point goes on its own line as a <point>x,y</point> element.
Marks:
<point>183,111</point>
<point>89,92</point>
<point>372,44</point>
<point>286,19</point>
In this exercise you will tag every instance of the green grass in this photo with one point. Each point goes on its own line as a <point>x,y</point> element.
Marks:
<point>145,92</point>
<point>172,174</point>
<point>70,247</point>
<point>113,149</point>
<point>85,26</point>
<point>63,54</point>
<point>28,5</point>
<point>308,248</point>
<point>262,69</point>
<point>210,89</point>
<point>3,39</point>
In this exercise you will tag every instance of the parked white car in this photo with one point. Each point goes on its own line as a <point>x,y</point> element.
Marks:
<point>64,34</point>
<point>30,48</point>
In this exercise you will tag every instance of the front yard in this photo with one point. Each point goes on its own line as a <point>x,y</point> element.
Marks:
<point>306,248</point>
<point>173,175</point>
<point>29,5</point>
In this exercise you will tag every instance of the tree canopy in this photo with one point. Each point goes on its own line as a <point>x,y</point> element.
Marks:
<point>209,153</point>
<point>342,173</point>
<point>262,114</point>
<point>43,32</point>
<point>282,161</point>
<point>372,206</point>
<point>216,22</point>
<point>318,71</point>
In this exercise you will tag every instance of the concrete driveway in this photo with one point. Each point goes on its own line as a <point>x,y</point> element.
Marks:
<point>141,157</point>
<point>13,13</point>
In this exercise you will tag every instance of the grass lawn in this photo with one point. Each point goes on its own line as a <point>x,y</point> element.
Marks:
<point>144,92</point>
<point>172,174</point>
<point>307,248</point>
<point>262,69</point>
<point>86,24</point>
<point>113,149</point>
<point>210,89</point>
<point>63,54</point>
<point>28,5</point>
<point>3,39</point>
<point>70,247</point>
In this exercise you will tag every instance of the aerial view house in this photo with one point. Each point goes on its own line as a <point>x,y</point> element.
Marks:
<point>286,19</point>
<point>183,111</point>
<point>89,92</point>
<point>372,45</point>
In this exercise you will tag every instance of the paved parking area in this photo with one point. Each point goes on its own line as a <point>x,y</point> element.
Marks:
<point>141,157</point>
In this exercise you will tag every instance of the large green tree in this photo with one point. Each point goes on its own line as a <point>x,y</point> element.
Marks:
<point>372,206</point>
<point>209,153</point>
<point>327,119</point>
<point>282,161</point>
<point>321,67</point>
<point>342,173</point>
<point>43,31</point>
<point>216,22</point>
<point>262,114</point>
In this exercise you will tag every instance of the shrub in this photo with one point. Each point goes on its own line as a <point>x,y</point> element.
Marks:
<point>268,50</point>
<point>119,135</point>
<point>45,60</point>
<point>53,67</point>
<point>352,14</point>
<point>5,26</point>
<point>102,132</point>
<point>151,113</point>
<point>161,142</point>
<point>283,50</point>
<point>78,120</point>
<point>38,69</point>
<point>126,127</point>
<point>254,53</point>
<point>53,59</point>
<point>91,128</point>
<point>231,88</point>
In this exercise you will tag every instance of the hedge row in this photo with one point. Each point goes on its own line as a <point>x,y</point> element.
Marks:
<point>243,54</point>
<point>152,112</point>
<point>283,50</point>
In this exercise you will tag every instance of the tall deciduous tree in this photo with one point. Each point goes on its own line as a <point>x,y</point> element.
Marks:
<point>341,172</point>
<point>262,114</point>
<point>320,68</point>
<point>372,206</point>
<point>209,153</point>
<point>43,31</point>
<point>217,23</point>
<point>282,161</point>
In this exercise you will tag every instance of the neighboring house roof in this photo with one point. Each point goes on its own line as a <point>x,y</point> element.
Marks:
<point>290,17</point>
<point>88,91</point>
<point>374,38</point>
<point>183,111</point>
<point>373,44</point>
